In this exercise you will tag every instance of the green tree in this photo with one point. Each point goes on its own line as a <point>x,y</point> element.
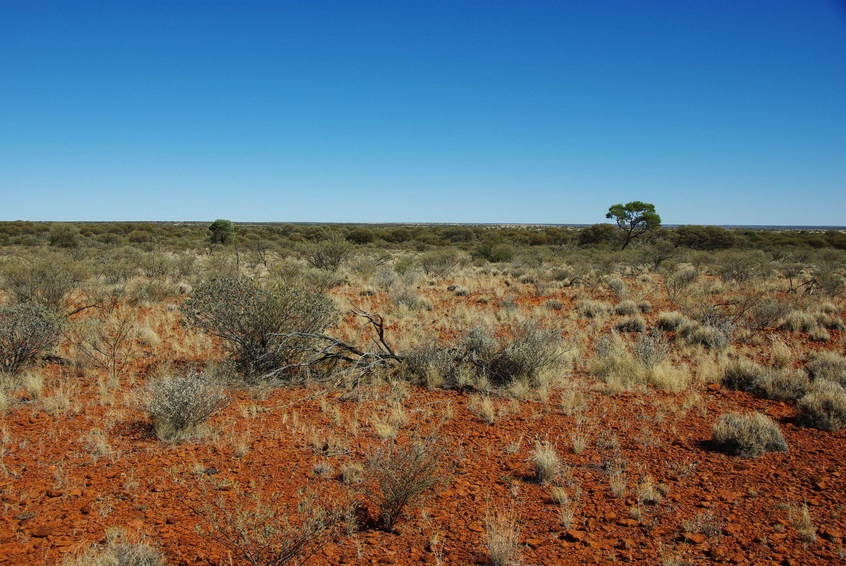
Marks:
<point>64,236</point>
<point>634,219</point>
<point>222,232</point>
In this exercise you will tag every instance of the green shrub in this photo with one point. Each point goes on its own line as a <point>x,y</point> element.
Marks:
<point>824,406</point>
<point>329,254</point>
<point>178,405</point>
<point>748,435</point>
<point>64,236</point>
<point>26,331</point>
<point>252,320</point>
<point>222,232</point>
<point>44,280</point>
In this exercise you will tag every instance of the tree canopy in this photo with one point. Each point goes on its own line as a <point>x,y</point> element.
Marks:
<point>634,219</point>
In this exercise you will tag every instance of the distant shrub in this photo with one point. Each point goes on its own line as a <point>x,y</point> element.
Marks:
<point>651,349</point>
<point>44,280</point>
<point>140,237</point>
<point>26,331</point>
<point>64,236</point>
<point>361,236</point>
<point>824,406</point>
<point>709,336</point>
<point>631,324</point>
<point>179,404</point>
<point>495,252</point>
<point>403,474</point>
<point>251,320</point>
<point>829,366</point>
<point>748,435</point>
<point>329,254</point>
<point>767,314</point>
<point>439,263</point>
<point>222,232</point>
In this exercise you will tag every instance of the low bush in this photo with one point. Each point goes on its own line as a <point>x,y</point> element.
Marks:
<point>403,474</point>
<point>45,280</point>
<point>267,532</point>
<point>440,263</point>
<point>329,254</point>
<point>527,356</point>
<point>829,366</point>
<point>256,323</point>
<point>784,385</point>
<point>748,435</point>
<point>626,308</point>
<point>824,406</point>
<point>26,331</point>
<point>592,309</point>
<point>671,320</point>
<point>631,324</point>
<point>743,375</point>
<point>179,404</point>
<point>118,551</point>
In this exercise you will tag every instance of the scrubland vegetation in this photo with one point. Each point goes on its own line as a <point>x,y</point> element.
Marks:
<point>292,394</point>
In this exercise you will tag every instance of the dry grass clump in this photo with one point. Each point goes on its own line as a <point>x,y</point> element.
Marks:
<point>800,321</point>
<point>615,365</point>
<point>671,320</point>
<point>118,551</point>
<point>626,308</point>
<point>592,309</point>
<point>706,335</point>
<point>829,366</point>
<point>631,324</point>
<point>546,462</point>
<point>178,405</point>
<point>824,406</point>
<point>502,538</point>
<point>748,435</point>
<point>743,375</point>
<point>785,385</point>
<point>484,408</point>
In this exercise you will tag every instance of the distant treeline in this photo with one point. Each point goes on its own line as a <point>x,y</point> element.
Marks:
<point>175,235</point>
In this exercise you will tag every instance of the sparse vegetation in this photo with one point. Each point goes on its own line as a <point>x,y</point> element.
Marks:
<point>749,435</point>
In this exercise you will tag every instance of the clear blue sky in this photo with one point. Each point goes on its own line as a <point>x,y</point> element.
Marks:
<point>718,112</point>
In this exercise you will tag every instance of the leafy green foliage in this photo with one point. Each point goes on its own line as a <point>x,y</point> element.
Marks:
<point>222,232</point>
<point>634,219</point>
